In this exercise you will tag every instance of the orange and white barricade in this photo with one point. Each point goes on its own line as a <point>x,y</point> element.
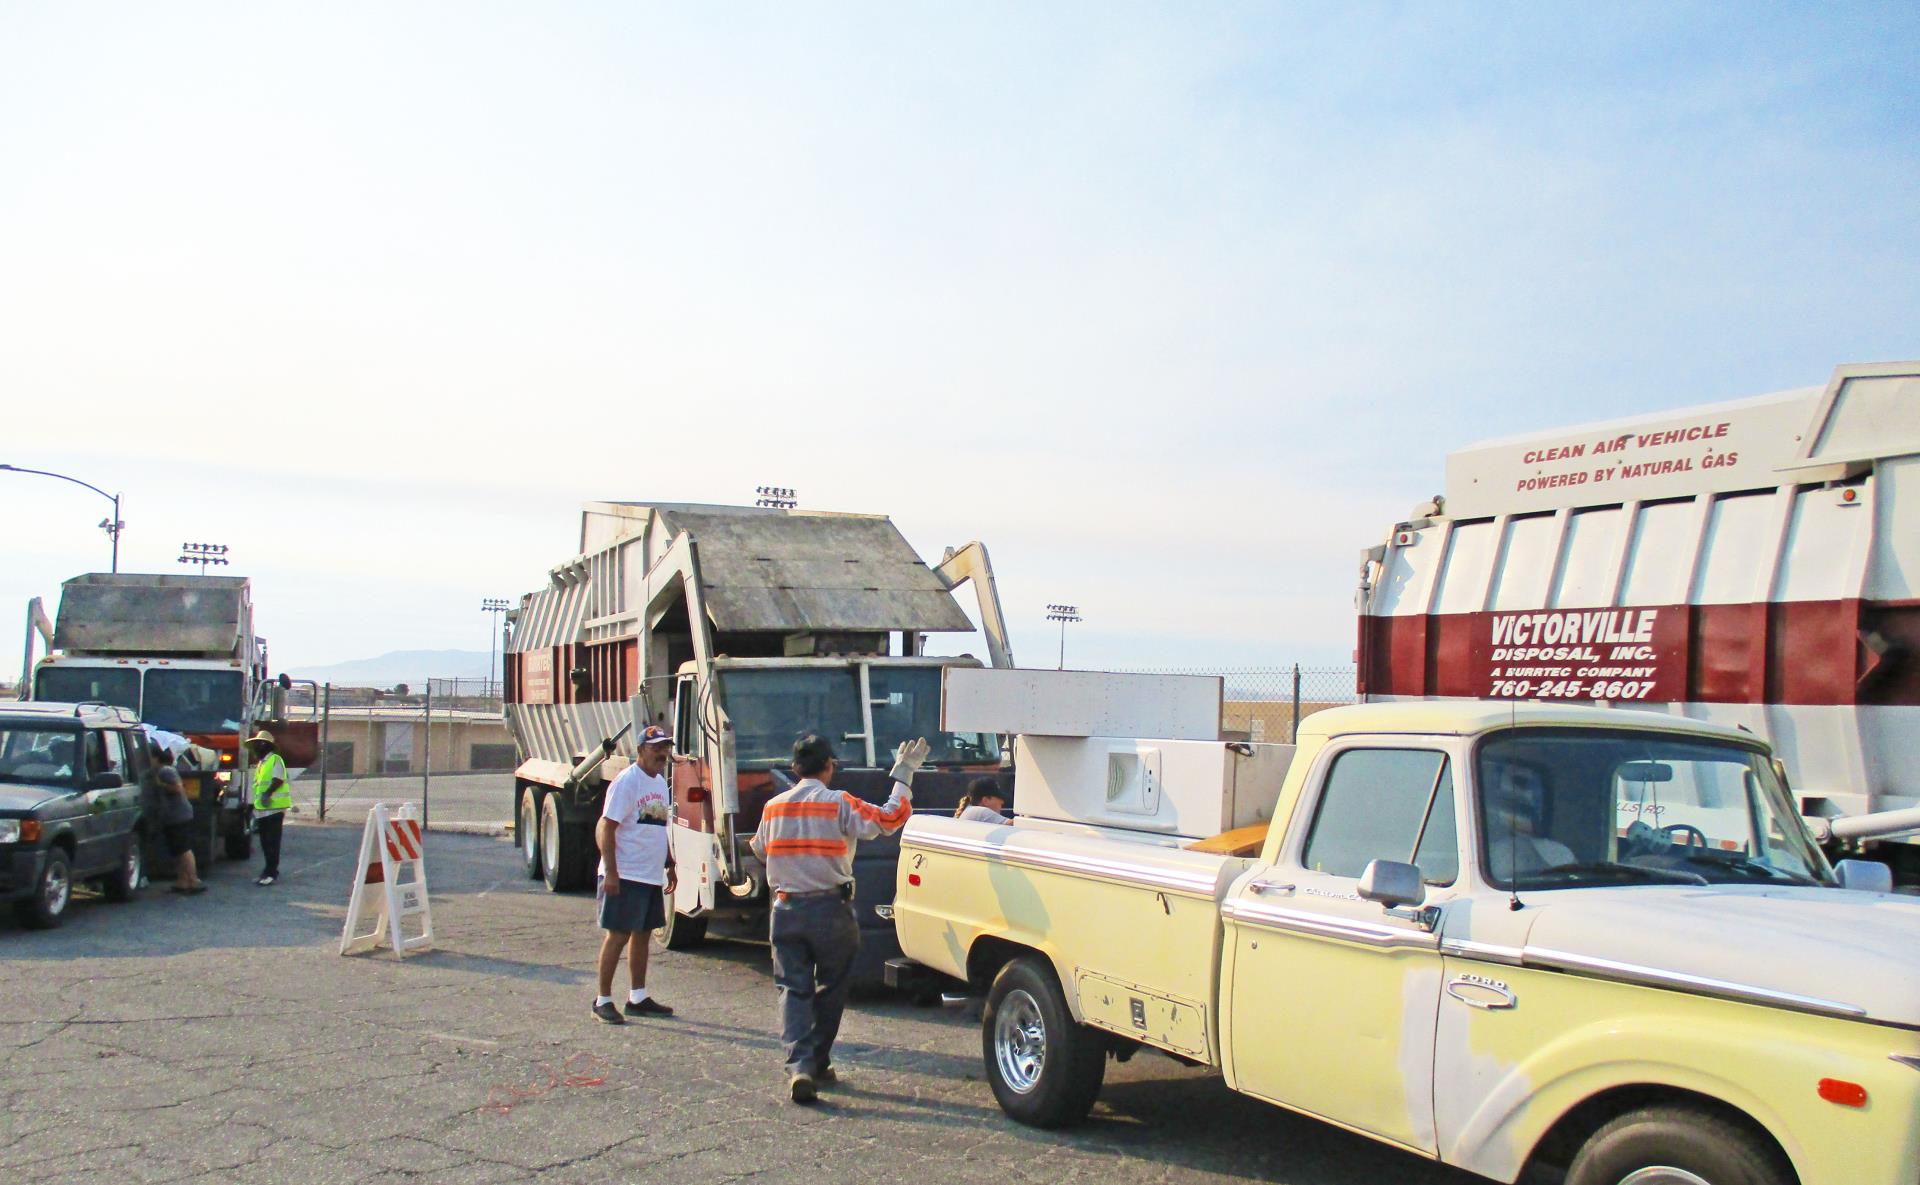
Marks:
<point>392,844</point>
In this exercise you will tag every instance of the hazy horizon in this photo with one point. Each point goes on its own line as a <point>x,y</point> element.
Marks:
<point>1176,308</point>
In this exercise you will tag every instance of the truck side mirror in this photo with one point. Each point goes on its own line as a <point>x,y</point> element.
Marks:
<point>113,781</point>
<point>1865,875</point>
<point>1392,883</point>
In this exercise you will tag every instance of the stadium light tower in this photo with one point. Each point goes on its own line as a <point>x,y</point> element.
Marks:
<point>776,497</point>
<point>1063,614</point>
<point>207,555</point>
<point>495,606</point>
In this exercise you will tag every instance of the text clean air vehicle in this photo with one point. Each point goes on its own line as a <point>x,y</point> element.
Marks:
<point>1444,939</point>
<point>1754,563</point>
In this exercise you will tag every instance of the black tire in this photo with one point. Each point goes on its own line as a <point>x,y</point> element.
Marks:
<point>682,932</point>
<point>205,833</point>
<point>239,843</point>
<point>561,857</point>
<point>123,882</point>
<point>526,832</point>
<point>1045,1069</point>
<point>45,909</point>
<point>1709,1146</point>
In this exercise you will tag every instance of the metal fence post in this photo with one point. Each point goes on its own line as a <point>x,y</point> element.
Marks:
<point>326,756</point>
<point>1295,739</point>
<point>426,758</point>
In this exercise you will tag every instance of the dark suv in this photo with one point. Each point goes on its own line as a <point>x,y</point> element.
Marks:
<point>70,799</point>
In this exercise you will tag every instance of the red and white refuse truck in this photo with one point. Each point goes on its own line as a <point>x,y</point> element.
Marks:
<point>1754,563</point>
<point>738,628</point>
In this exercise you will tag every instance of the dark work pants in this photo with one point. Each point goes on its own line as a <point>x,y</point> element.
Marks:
<point>814,940</point>
<point>268,828</point>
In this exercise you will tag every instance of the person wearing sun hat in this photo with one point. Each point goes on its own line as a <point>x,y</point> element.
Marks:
<point>271,799</point>
<point>636,874</point>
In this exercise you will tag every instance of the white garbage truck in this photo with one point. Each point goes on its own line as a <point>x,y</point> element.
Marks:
<point>1754,563</point>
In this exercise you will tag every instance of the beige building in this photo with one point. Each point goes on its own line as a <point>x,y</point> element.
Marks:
<point>375,740</point>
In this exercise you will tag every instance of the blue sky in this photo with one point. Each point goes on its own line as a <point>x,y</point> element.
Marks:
<point>1177,307</point>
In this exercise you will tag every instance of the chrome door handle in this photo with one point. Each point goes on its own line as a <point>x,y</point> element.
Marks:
<point>1264,887</point>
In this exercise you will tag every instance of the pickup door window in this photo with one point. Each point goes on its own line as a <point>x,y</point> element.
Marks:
<point>1333,999</point>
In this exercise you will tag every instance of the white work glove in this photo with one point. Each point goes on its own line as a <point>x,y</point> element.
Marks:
<point>907,760</point>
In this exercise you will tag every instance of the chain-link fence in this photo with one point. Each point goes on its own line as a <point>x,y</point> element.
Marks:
<point>1267,703</point>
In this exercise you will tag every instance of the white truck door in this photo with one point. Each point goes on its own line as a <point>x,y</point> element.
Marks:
<point>1333,999</point>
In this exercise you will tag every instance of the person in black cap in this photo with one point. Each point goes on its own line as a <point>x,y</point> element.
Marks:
<point>806,837</point>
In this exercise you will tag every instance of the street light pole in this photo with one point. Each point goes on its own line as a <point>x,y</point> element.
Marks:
<point>1063,614</point>
<point>495,606</point>
<point>111,526</point>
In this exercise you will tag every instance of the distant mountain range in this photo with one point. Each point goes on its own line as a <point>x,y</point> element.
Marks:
<point>412,667</point>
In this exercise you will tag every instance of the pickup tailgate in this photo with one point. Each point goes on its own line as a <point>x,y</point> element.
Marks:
<point>1132,929</point>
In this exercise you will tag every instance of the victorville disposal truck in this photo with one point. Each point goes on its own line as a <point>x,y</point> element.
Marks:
<point>1752,563</point>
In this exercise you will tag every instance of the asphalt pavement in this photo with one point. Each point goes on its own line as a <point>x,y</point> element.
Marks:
<point>223,1038</point>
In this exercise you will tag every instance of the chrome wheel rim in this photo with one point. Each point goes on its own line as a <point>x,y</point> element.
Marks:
<point>550,840</point>
<point>529,829</point>
<point>1660,1174</point>
<point>1020,1042</point>
<point>58,888</point>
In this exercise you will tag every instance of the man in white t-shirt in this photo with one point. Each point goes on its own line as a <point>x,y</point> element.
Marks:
<point>636,872</point>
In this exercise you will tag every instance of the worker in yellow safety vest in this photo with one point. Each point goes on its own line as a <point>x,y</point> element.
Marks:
<point>271,798</point>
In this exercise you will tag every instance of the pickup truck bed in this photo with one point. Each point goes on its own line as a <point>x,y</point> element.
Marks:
<point>1149,914</point>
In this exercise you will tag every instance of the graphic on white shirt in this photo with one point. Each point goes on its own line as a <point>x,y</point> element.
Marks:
<point>640,846</point>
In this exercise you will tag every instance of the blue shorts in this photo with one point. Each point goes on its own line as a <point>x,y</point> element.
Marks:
<point>637,906</point>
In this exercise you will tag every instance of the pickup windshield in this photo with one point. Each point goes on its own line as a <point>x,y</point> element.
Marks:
<point>1565,808</point>
<point>41,755</point>
<point>193,701</point>
<point>771,707</point>
<point>119,686</point>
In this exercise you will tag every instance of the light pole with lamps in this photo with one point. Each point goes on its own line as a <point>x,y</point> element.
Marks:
<point>112,526</point>
<point>1063,614</point>
<point>495,606</point>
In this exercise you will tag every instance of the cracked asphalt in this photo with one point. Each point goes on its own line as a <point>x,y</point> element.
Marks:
<point>222,1038</point>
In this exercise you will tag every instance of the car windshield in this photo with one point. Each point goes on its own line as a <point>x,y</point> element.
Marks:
<point>772,707</point>
<point>1565,808</point>
<point>906,705</point>
<point>193,701</point>
<point>42,755</point>
<point>66,684</point>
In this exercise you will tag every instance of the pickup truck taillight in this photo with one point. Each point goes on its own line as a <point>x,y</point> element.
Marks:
<point>29,831</point>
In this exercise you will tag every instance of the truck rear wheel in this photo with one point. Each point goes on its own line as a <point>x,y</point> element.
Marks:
<point>561,849</point>
<point>239,843</point>
<point>205,832</point>
<point>1045,1069</point>
<point>1676,1145</point>
<point>527,829</point>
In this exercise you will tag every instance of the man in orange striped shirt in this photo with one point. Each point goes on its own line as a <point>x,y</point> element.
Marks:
<point>807,837</point>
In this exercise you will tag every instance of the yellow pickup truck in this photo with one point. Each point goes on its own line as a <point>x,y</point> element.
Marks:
<point>1593,945</point>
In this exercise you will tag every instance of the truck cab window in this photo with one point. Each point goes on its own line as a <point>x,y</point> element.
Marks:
<point>686,718</point>
<point>1386,804</point>
<point>119,686</point>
